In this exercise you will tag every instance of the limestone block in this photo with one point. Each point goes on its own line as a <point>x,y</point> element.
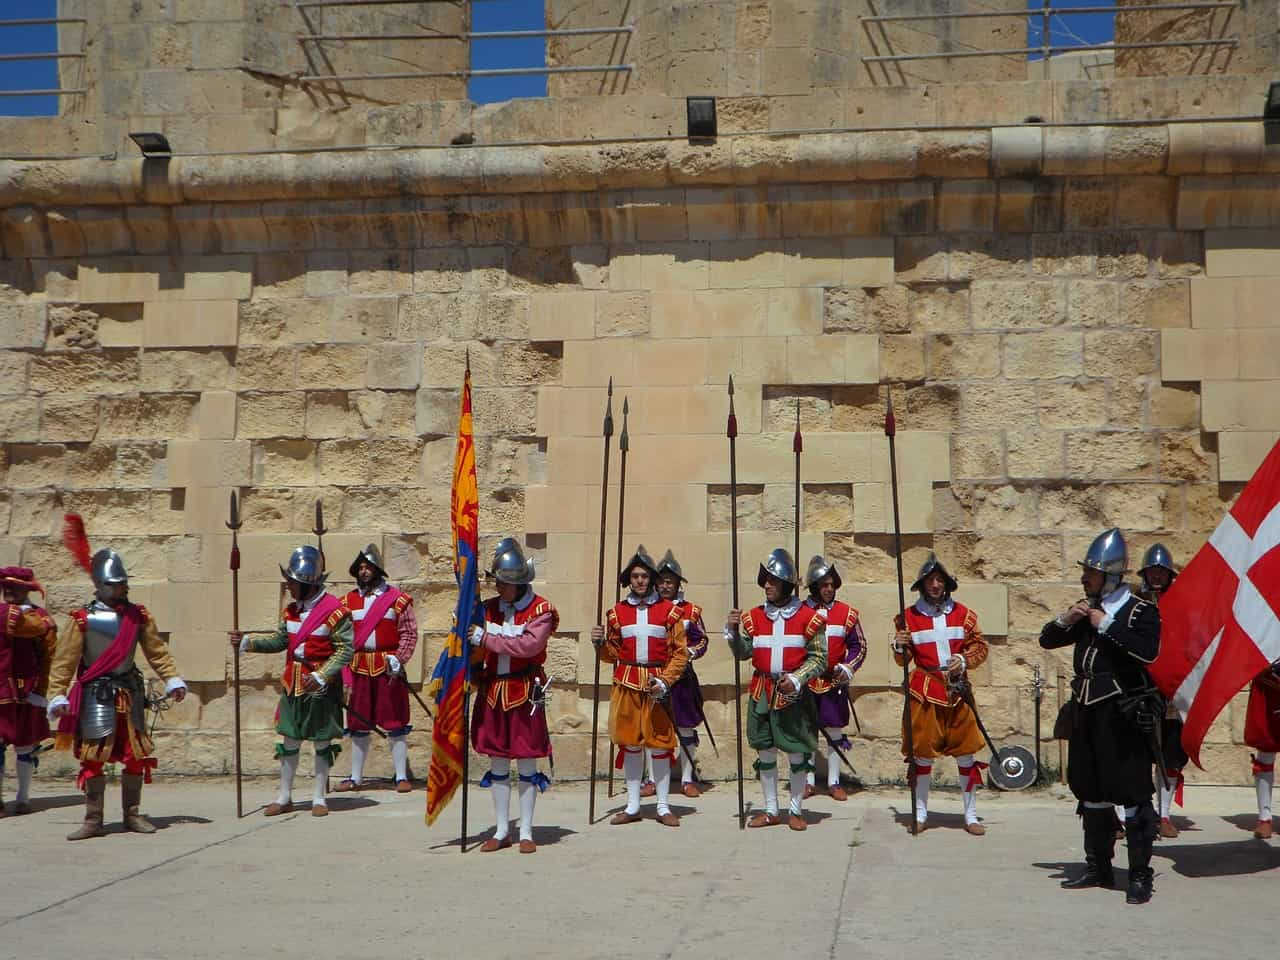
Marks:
<point>977,456</point>
<point>1259,360</point>
<point>1162,304</point>
<point>108,372</point>
<point>1218,303</point>
<point>1043,356</point>
<point>362,319</point>
<point>21,416</point>
<point>377,273</point>
<point>394,366</point>
<point>962,356</point>
<point>1241,452</point>
<point>328,414</point>
<point>1242,253</point>
<point>157,415</point>
<point>1082,403</point>
<point>1203,202</point>
<point>1121,353</point>
<point>1004,304</point>
<point>966,205</point>
<point>873,507</point>
<point>1017,151</point>
<point>1110,455</point>
<point>442,317</point>
<point>712,313</point>
<point>996,405</point>
<point>263,414</point>
<point>1034,453</point>
<point>1239,405</point>
<point>209,463</point>
<point>61,419</point>
<point>13,372</point>
<point>327,272</point>
<point>833,358</point>
<point>901,357</point>
<point>1199,355</point>
<point>22,325</point>
<point>857,209</point>
<point>1179,254</point>
<point>191,323</point>
<point>1183,456</point>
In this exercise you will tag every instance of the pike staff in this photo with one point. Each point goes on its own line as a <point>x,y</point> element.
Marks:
<point>234,524</point>
<point>797,446</point>
<point>624,444</point>
<point>595,687</point>
<point>731,431</point>
<point>891,431</point>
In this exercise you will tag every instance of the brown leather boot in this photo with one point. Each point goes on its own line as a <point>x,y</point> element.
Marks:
<point>130,799</point>
<point>95,792</point>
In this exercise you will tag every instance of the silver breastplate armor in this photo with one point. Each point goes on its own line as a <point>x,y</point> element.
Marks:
<point>102,625</point>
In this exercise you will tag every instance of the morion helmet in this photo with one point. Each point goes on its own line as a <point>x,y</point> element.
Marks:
<point>107,567</point>
<point>1157,555</point>
<point>639,558</point>
<point>509,563</point>
<point>819,568</point>
<point>779,564</point>
<point>669,564</point>
<point>934,565</point>
<point>1109,554</point>
<point>305,567</point>
<point>370,555</point>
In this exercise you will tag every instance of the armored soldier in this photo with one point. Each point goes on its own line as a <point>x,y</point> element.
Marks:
<point>1157,575</point>
<point>784,639</point>
<point>644,639</point>
<point>942,639</point>
<point>315,634</point>
<point>846,648</point>
<point>1115,709</point>
<point>27,641</point>
<point>1262,733</point>
<point>97,692</point>
<point>385,634</point>
<point>509,721</point>
<point>686,695</point>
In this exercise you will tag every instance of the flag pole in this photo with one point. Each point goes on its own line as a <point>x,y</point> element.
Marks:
<point>234,524</point>
<point>466,682</point>
<point>731,432</point>
<point>891,431</point>
<point>595,688</point>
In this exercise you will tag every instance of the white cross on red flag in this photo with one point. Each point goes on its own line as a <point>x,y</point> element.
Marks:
<point>1220,621</point>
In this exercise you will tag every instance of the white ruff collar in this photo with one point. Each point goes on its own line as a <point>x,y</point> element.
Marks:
<point>648,600</point>
<point>786,611</point>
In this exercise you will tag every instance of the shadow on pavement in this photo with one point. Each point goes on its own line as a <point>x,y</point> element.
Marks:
<point>1243,821</point>
<point>53,803</point>
<point>1230,858</point>
<point>164,823</point>
<point>937,821</point>
<point>345,803</point>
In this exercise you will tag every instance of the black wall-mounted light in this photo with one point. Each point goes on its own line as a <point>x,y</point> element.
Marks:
<point>701,115</point>
<point>152,144</point>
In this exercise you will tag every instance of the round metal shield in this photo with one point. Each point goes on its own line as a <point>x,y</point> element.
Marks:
<point>1013,768</point>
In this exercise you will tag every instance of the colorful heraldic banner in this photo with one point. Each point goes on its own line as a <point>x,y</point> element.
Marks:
<point>451,678</point>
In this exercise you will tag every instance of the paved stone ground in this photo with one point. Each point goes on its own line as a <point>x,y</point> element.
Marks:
<point>372,881</point>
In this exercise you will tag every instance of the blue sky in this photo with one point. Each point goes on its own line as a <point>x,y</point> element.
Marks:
<point>486,15</point>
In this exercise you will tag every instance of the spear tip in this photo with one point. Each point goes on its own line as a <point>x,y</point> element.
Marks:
<point>890,421</point>
<point>468,355</point>
<point>731,384</point>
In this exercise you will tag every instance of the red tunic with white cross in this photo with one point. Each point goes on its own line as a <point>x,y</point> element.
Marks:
<point>934,641</point>
<point>779,646</point>
<point>643,649</point>
<point>845,644</point>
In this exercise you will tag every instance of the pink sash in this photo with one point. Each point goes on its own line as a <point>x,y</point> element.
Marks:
<point>111,658</point>
<point>374,614</point>
<point>315,619</point>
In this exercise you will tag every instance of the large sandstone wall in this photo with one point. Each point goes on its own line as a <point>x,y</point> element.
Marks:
<point>1074,323</point>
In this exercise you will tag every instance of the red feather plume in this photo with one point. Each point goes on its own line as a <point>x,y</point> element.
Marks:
<point>75,539</point>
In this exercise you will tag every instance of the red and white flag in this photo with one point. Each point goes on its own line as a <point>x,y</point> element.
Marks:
<point>1220,621</point>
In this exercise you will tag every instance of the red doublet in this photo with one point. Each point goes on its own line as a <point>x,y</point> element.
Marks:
<point>934,640</point>
<point>1261,722</point>
<point>509,679</point>
<point>842,621</point>
<point>778,646</point>
<point>644,649</point>
<point>504,721</point>
<point>24,666</point>
<point>317,645</point>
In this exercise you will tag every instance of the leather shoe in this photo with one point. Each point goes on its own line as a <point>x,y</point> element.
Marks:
<point>764,820</point>
<point>618,819</point>
<point>1139,886</point>
<point>492,845</point>
<point>1092,877</point>
<point>404,786</point>
<point>1263,830</point>
<point>808,790</point>
<point>319,810</point>
<point>346,786</point>
<point>690,790</point>
<point>1167,830</point>
<point>668,820</point>
<point>275,809</point>
<point>528,846</point>
<point>838,793</point>
<point>975,828</point>
<point>797,822</point>
<point>648,789</point>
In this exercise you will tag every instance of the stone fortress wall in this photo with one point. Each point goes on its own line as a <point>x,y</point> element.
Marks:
<point>1074,316</point>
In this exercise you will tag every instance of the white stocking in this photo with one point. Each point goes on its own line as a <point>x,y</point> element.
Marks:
<point>25,769</point>
<point>359,753</point>
<point>687,737</point>
<point>1119,812</point>
<point>924,773</point>
<point>500,787</point>
<point>769,780</point>
<point>1263,782</point>
<point>660,764</point>
<point>1167,790</point>
<point>632,771</point>
<point>288,769</point>
<point>833,758</point>
<point>528,795</point>
<point>969,794</point>
<point>321,783</point>
<point>400,756</point>
<point>797,762</point>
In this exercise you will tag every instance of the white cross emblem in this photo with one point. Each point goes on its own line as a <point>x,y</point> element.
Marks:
<point>777,643</point>
<point>508,628</point>
<point>940,636</point>
<point>642,632</point>
<point>834,631</point>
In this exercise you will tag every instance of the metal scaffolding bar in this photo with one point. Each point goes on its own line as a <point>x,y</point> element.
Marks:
<point>1057,11</point>
<point>367,3</point>
<point>489,35</point>
<point>463,74</point>
<point>41,56</point>
<point>40,21</point>
<point>1022,51</point>
<point>39,93</point>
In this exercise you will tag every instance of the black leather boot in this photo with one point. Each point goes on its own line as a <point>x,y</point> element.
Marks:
<point>1097,852</point>
<point>1140,835</point>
